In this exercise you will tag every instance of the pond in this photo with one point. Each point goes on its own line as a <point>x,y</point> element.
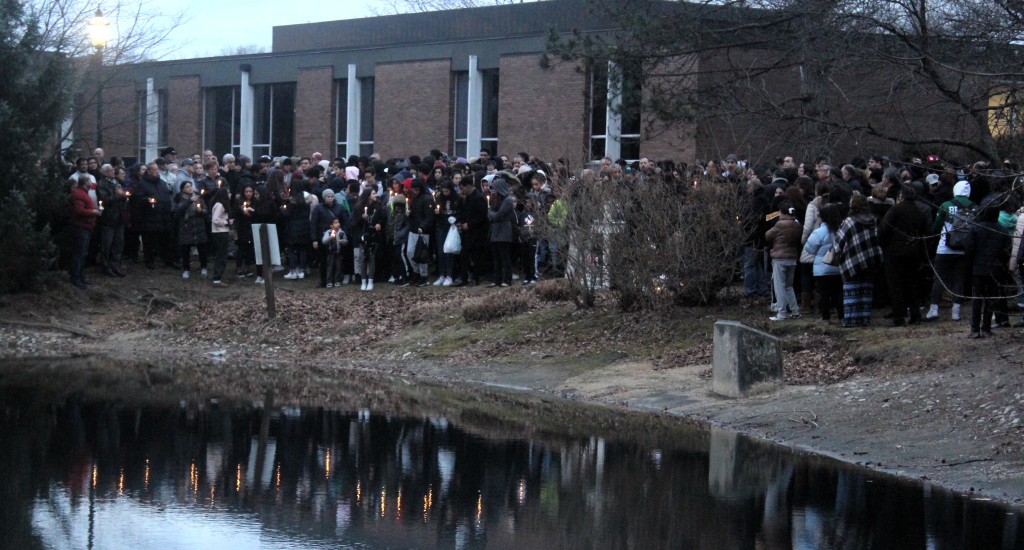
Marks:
<point>80,473</point>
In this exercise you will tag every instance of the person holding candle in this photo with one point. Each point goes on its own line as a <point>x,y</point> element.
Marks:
<point>112,200</point>
<point>324,213</point>
<point>193,218</point>
<point>156,224</point>
<point>368,231</point>
<point>421,227</point>
<point>220,224</point>
<point>398,234</point>
<point>448,207</point>
<point>242,213</point>
<point>82,221</point>
<point>501,216</point>
<point>296,211</point>
<point>332,242</point>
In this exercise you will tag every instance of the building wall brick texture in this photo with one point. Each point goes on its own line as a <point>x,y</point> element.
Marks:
<point>184,114</point>
<point>412,107</point>
<point>541,111</point>
<point>314,108</point>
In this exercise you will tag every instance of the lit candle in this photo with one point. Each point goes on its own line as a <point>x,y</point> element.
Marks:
<point>285,206</point>
<point>245,205</point>
<point>218,183</point>
<point>365,208</point>
<point>152,203</point>
<point>101,206</point>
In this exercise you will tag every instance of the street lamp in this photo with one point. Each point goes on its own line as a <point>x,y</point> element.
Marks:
<point>99,33</point>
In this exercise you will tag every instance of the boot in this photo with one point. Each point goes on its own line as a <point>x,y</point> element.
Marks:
<point>956,312</point>
<point>933,312</point>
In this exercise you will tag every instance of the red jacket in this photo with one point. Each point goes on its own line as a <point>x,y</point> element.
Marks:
<point>82,209</point>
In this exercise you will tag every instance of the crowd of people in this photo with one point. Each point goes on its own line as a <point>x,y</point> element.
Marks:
<point>840,240</point>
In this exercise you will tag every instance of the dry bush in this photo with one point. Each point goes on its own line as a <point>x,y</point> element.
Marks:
<point>496,306</point>
<point>671,245</point>
<point>554,290</point>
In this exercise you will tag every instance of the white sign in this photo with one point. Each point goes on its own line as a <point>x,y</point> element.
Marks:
<point>275,248</point>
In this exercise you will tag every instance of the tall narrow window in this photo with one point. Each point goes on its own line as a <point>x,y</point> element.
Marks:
<point>142,115</point>
<point>273,119</point>
<point>341,118</point>
<point>461,113</point>
<point>366,116</point>
<point>489,116</point>
<point>629,113</point>
<point>221,119</point>
<point>164,124</point>
<point>598,91</point>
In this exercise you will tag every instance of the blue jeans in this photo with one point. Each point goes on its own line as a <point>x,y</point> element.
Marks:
<point>782,281</point>
<point>755,281</point>
<point>79,250</point>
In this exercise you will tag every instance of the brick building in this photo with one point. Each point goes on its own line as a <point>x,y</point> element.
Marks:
<point>401,85</point>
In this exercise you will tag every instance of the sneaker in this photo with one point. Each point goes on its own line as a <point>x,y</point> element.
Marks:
<point>933,313</point>
<point>447,281</point>
<point>329,285</point>
<point>278,268</point>
<point>291,275</point>
<point>391,279</point>
<point>514,276</point>
<point>219,284</point>
<point>301,274</point>
<point>778,318</point>
<point>794,315</point>
<point>421,282</point>
<point>458,282</point>
<point>363,285</point>
<point>202,272</point>
<point>184,274</point>
<point>345,280</point>
<point>259,281</point>
<point>439,281</point>
<point>402,282</point>
<point>955,314</point>
<point>369,285</point>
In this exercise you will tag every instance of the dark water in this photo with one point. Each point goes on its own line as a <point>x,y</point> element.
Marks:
<point>79,474</point>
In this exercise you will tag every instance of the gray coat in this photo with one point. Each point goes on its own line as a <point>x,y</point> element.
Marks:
<point>504,217</point>
<point>193,218</point>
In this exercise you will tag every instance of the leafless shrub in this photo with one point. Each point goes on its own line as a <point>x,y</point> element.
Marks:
<point>554,290</point>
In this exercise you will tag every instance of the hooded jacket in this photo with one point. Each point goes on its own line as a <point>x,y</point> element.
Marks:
<point>503,216</point>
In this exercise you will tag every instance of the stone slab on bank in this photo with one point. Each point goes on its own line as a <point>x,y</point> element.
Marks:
<point>746,361</point>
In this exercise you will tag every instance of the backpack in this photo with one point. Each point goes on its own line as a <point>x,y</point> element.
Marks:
<point>963,219</point>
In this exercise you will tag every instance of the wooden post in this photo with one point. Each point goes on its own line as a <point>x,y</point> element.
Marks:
<point>268,273</point>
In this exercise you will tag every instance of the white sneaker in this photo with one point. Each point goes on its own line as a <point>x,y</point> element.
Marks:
<point>184,274</point>
<point>933,312</point>
<point>514,276</point>
<point>439,281</point>
<point>291,275</point>
<point>301,274</point>
<point>345,280</point>
<point>778,318</point>
<point>369,285</point>
<point>202,273</point>
<point>363,285</point>
<point>956,312</point>
<point>278,268</point>
<point>391,279</point>
<point>258,281</point>
<point>447,281</point>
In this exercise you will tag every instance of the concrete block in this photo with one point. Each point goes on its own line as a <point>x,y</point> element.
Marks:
<point>746,361</point>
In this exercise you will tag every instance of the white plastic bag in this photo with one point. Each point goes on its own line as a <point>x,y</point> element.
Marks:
<point>453,243</point>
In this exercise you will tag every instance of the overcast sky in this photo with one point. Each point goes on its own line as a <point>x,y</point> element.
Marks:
<point>218,27</point>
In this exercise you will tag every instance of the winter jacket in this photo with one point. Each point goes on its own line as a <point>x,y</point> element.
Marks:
<point>811,218</point>
<point>219,221</point>
<point>503,215</point>
<point>902,231</point>
<point>988,244</point>
<point>334,243</point>
<point>784,238</point>
<point>421,213</point>
<point>82,211</point>
<point>321,218</point>
<point>398,227</point>
<point>362,231</point>
<point>155,204</point>
<point>113,203</point>
<point>474,215</point>
<point>856,243</point>
<point>193,218</point>
<point>943,221</point>
<point>819,242</point>
<point>295,215</point>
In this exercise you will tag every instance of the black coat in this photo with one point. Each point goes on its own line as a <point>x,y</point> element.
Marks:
<point>193,219</point>
<point>903,231</point>
<point>474,215</point>
<point>421,214</point>
<point>155,215</point>
<point>988,244</point>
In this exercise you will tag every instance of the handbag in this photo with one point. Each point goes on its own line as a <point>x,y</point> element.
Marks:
<point>831,258</point>
<point>421,254</point>
<point>453,242</point>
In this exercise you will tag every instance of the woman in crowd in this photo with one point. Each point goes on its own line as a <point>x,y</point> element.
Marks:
<point>784,240</point>
<point>81,222</point>
<point>828,283</point>
<point>501,217</point>
<point>860,256</point>
<point>220,224</point>
<point>368,229</point>
<point>242,214</point>
<point>447,211</point>
<point>295,213</point>
<point>193,218</point>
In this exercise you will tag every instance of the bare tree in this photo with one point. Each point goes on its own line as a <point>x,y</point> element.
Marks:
<point>391,7</point>
<point>807,75</point>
